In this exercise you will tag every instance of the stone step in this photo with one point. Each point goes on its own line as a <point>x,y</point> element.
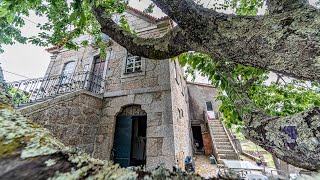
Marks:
<point>221,139</point>
<point>217,128</point>
<point>228,156</point>
<point>225,151</point>
<point>218,123</point>
<point>224,146</point>
<point>221,136</point>
<point>215,121</point>
<point>222,143</point>
<point>215,124</point>
<point>218,132</point>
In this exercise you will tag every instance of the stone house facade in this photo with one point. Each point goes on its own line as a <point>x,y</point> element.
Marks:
<point>139,111</point>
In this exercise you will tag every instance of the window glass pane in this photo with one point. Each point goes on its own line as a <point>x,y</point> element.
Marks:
<point>67,72</point>
<point>68,68</point>
<point>86,67</point>
<point>129,70</point>
<point>209,106</point>
<point>133,63</point>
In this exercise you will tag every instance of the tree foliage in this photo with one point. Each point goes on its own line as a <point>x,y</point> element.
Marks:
<point>277,98</point>
<point>65,21</point>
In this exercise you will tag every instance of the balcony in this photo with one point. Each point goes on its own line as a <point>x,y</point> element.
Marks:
<point>29,91</point>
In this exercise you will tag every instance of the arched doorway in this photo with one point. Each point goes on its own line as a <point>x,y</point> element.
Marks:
<point>129,145</point>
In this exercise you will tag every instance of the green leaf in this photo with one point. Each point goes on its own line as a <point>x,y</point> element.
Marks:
<point>3,12</point>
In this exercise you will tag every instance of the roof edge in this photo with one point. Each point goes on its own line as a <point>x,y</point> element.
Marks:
<point>150,17</point>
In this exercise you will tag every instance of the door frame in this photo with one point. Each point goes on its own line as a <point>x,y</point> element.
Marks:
<point>131,148</point>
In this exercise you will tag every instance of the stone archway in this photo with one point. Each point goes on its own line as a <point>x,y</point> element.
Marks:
<point>132,110</point>
<point>129,147</point>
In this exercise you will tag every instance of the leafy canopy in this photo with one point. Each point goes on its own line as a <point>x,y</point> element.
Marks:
<point>66,21</point>
<point>277,98</point>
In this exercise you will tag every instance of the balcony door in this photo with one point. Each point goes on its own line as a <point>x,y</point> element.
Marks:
<point>98,67</point>
<point>97,74</point>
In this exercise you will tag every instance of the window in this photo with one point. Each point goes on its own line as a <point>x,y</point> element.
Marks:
<point>175,72</point>
<point>67,72</point>
<point>68,68</point>
<point>86,67</point>
<point>209,106</point>
<point>98,66</point>
<point>133,64</point>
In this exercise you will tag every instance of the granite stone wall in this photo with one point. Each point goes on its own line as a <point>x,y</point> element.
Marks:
<point>153,76</point>
<point>166,105</point>
<point>198,95</point>
<point>157,105</point>
<point>75,119</point>
<point>180,114</point>
<point>86,121</point>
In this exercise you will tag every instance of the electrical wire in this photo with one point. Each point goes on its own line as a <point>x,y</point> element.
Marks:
<point>15,74</point>
<point>29,20</point>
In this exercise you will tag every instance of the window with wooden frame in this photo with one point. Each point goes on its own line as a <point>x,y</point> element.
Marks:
<point>133,64</point>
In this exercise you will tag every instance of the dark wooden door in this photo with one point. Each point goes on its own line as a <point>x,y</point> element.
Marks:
<point>122,140</point>
<point>97,74</point>
<point>98,68</point>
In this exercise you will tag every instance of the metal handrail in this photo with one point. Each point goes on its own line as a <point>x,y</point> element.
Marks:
<point>37,89</point>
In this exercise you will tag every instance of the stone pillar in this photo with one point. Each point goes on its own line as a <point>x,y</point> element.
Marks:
<point>237,145</point>
<point>284,167</point>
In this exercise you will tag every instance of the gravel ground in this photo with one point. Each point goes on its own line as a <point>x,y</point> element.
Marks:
<point>203,166</point>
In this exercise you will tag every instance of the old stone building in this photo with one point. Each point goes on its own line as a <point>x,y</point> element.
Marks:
<point>130,109</point>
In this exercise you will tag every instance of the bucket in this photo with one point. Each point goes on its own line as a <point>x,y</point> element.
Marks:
<point>213,160</point>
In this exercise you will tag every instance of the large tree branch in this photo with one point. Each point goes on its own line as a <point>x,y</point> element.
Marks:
<point>294,139</point>
<point>171,44</point>
<point>278,6</point>
<point>182,11</point>
<point>286,42</point>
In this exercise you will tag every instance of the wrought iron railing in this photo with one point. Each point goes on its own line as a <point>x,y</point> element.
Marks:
<point>33,90</point>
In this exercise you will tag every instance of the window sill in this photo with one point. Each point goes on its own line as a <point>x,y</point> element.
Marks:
<point>133,74</point>
<point>127,73</point>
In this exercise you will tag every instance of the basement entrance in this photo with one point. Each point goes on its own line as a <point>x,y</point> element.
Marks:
<point>130,137</point>
<point>197,138</point>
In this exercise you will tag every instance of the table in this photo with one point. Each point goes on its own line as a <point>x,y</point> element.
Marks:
<point>247,165</point>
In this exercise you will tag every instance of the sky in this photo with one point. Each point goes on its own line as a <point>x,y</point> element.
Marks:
<point>24,61</point>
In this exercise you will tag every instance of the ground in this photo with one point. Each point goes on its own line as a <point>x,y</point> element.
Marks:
<point>203,166</point>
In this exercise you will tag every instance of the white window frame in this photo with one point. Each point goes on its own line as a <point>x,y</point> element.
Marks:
<point>133,60</point>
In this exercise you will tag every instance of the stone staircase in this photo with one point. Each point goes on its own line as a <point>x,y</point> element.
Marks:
<point>223,147</point>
